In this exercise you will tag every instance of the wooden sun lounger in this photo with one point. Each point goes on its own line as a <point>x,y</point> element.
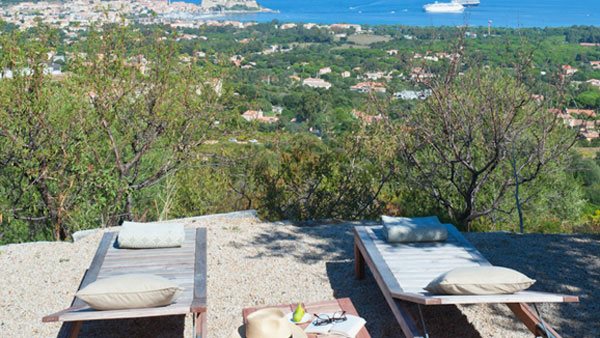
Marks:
<point>403,270</point>
<point>185,265</point>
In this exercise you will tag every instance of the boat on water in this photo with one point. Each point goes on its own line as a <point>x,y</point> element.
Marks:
<point>444,7</point>
<point>467,2</point>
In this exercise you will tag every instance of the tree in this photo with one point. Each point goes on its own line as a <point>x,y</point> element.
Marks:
<point>42,164</point>
<point>589,98</point>
<point>148,111</point>
<point>478,137</point>
<point>306,179</point>
<point>587,171</point>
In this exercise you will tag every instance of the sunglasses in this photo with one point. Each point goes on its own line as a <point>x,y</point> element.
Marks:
<point>337,317</point>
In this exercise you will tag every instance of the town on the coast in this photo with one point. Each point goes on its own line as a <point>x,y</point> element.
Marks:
<point>79,14</point>
<point>75,17</point>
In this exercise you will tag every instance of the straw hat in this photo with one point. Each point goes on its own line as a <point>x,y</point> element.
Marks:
<point>268,323</point>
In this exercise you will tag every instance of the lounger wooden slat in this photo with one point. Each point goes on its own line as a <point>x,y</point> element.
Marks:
<point>90,314</point>
<point>134,261</point>
<point>92,273</point>
<point>519,297</point>
<point>402,271</point>
<point>164,251</point>
<point>185,266</point>
<point>167,272</point>
<point>200,274</point>
<point>198,305</point>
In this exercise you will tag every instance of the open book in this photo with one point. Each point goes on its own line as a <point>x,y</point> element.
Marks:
<point>348,328</point>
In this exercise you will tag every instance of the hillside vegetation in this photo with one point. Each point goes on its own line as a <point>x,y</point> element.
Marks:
<point>146,123</point>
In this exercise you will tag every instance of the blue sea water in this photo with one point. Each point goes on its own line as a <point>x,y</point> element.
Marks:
<point>503,13</point>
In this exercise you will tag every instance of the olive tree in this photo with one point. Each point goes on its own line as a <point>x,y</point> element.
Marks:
<point>42,163</point>
<point>148,108</point>
<point>479,137</point>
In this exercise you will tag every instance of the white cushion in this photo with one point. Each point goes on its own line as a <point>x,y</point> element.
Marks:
<point>129,291</point>
<point>479,280</point>
<point>419,229</point>
<point>151,235</point>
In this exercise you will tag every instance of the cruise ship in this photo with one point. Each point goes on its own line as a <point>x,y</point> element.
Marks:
<point>444,7</point>
<point>467,2</point>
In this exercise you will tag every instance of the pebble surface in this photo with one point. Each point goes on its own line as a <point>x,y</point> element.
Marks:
<point>256,263</point>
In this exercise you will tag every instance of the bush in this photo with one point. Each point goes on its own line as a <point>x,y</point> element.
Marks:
<point>306,179</point>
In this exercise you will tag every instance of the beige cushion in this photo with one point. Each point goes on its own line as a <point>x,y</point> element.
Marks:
<point>151,235</point>
<point>420,229</point>
<point>479,280</point>
<point>129,291</point>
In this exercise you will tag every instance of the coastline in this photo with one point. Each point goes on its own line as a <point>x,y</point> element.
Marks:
<point>243,11</point>
<point>494,13</point>
<point>515,14</point>
<point>195,11</point>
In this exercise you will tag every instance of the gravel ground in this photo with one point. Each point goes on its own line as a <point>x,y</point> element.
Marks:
<point>254,263</point>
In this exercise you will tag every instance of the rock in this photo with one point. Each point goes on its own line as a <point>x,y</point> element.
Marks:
<point>78,235</point>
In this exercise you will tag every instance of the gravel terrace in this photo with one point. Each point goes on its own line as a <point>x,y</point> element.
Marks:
<point>255,263</point>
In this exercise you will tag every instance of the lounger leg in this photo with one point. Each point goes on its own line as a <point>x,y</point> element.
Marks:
<point>404,318</point>
<point>200,324</point>
<point>359,263</point>
<point>532,321</point>
<point>75,328</point>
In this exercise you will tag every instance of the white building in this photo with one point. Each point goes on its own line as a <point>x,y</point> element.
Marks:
<point>316,83</point>
<point>375,75</point>
<point>288,26</point>
<point>413,94</point>
<point>594,82</point>
<point>258,115</point>
<point>325,70</point>
<point>568,70</point>
<point>368,87</point>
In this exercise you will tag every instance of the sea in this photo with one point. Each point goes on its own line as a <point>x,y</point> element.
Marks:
<point>498,13</point>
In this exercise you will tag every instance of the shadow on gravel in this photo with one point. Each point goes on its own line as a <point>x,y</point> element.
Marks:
<point>336,243</point>
<point>568,264</point>
<point>163,327</point>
